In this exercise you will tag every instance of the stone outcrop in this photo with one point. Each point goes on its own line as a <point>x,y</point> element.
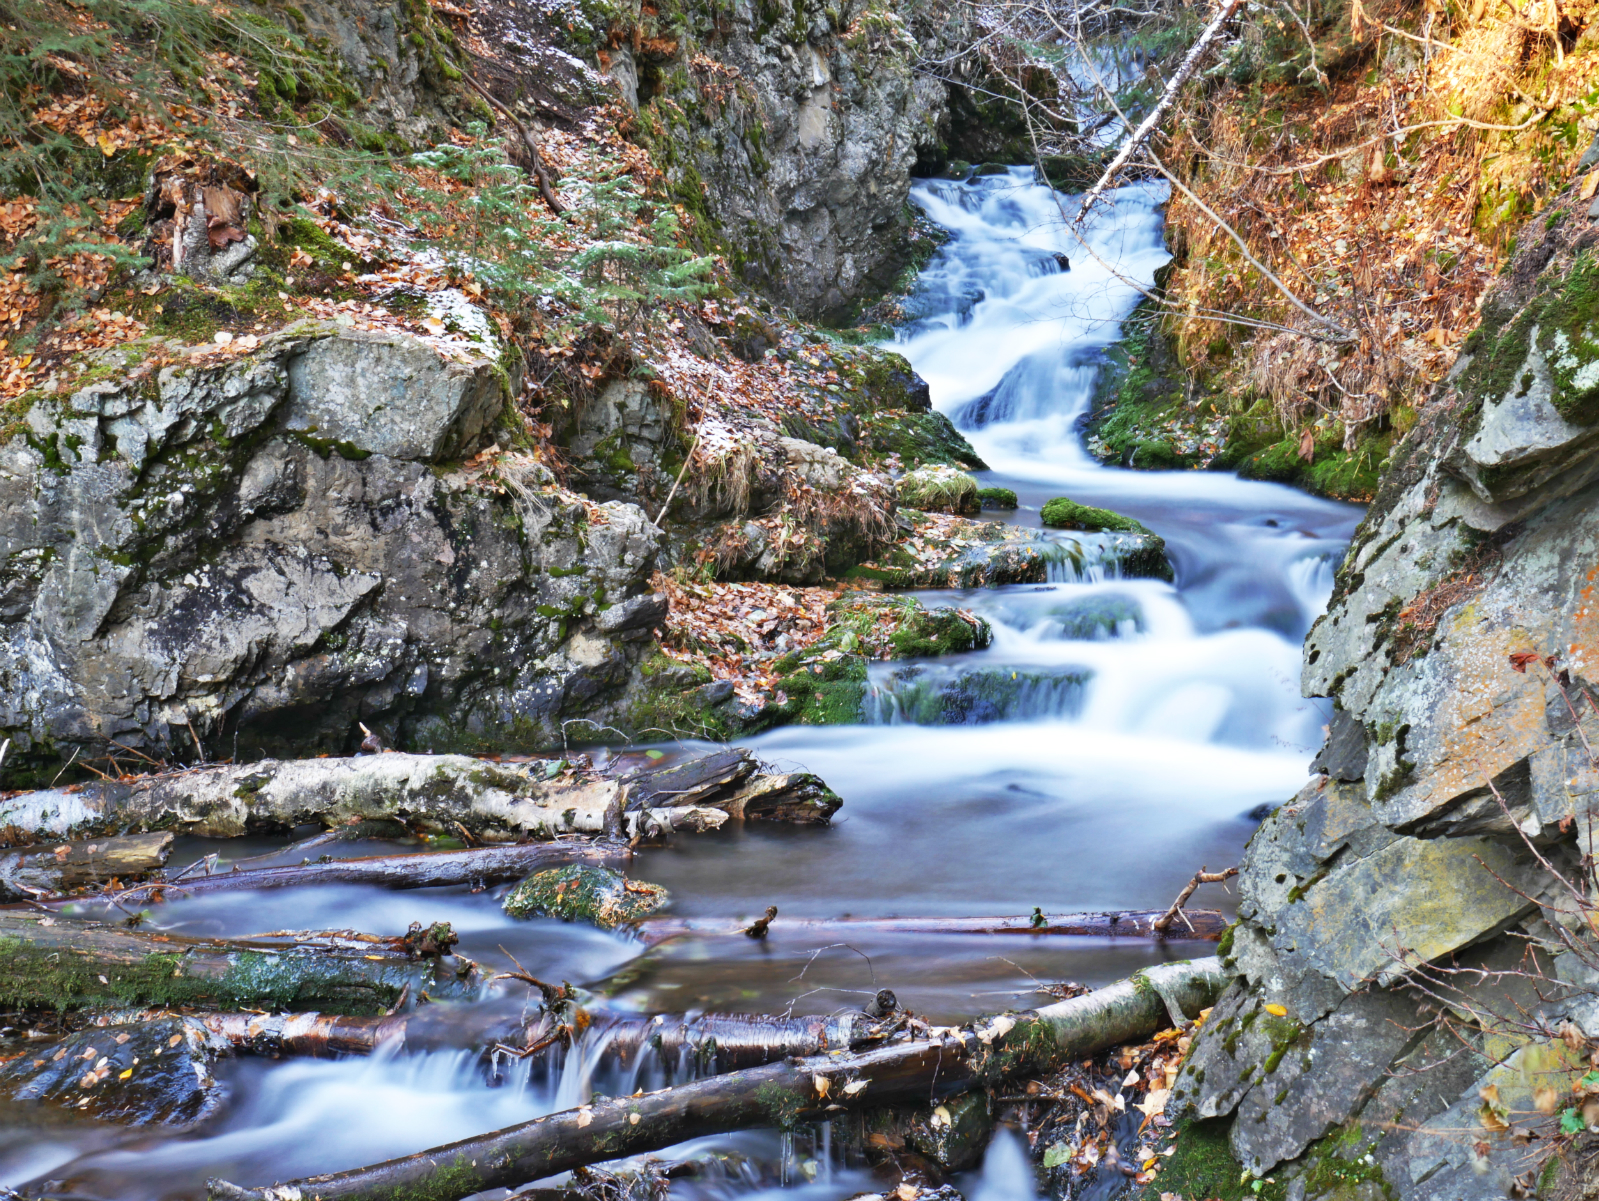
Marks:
<point>1380,1033</point>
<point>792,127</point>
<point>257,553</point>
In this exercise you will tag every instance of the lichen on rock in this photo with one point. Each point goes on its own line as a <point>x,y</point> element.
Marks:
<point>582,893</point>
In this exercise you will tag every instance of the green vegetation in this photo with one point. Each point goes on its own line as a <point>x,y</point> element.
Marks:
<point>1065,514</point>
<point>996,498</point>
<point>937,488</point>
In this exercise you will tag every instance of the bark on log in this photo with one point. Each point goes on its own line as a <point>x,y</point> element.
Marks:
<point>426,869</point>
<point>62,867</point>
<point>1208,926</point>
<point>714,1041</point>
<point>58,962</point>
<point>498,802</point>
<point>778,1094</point>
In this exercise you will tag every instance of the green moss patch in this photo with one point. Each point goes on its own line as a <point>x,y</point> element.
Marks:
<point>938,488</point>
<point>1063,513</point>
<point>996,498</point>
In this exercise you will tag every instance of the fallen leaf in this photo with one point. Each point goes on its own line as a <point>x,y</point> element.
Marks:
<point>584,1116</point>
<point>822,1084</point>
<point>855,1088</point>
<point>222,337</point>
<point>1277,1011</point>
<point>1546,1100</point>
<point>632,1119</point>
<point>1590,184</point>
<point>125,1075</point>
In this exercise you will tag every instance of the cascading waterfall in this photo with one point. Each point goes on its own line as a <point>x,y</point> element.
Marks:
<point>1112,738</point>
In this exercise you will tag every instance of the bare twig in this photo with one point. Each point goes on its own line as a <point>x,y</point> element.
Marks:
<point>1163,923</point>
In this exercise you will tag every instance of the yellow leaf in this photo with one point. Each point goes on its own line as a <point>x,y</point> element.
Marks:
<point>125,1075</point>
<point>1590,184</point>
<point>107,146</point>
<point>822,1084</point>
<point>1277,1011</point>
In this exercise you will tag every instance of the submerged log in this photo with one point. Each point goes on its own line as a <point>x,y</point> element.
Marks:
<point>1208,926</point>
<point>59,962</point>
<point>494,801</point>
<point>950,1062</point>
<point>63,867</point>
<point>425,869</point>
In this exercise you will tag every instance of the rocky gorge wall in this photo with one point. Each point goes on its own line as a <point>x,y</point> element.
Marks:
<point>790,128</point>
<point>258,553</point>
<point>1406,954</point>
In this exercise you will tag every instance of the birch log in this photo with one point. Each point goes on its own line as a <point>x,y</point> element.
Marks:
<point>778,1094</point>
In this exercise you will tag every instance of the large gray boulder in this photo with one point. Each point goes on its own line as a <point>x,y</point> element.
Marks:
<point>257,553</point>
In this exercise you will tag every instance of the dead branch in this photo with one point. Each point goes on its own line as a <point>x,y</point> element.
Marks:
<point>1163,923</point>
<point>1136,139</point>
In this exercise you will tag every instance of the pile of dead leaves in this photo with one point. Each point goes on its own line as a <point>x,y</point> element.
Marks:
<point>1076,1119</point>
<point>736,631</point>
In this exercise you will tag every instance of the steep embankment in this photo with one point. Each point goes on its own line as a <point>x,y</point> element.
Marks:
<point>393,371</point>
<point>1375,161</point>
<point>1415,1008</point>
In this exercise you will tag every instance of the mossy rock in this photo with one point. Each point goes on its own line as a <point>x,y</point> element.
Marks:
<point>913,630</point>
<point>996,498</point>
<point>1065,514</point>
<point>919,439</point>
<point>582,893</point>
<point>821,686</point>
<point>938,488</point>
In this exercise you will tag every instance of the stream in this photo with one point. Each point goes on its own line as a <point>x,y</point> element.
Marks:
<point>1147,724</point>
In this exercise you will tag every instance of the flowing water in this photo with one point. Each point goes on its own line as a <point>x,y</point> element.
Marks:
<point>1116,735</point>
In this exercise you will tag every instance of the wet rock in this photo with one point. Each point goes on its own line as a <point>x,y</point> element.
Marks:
<point>1343,756</point>
<point>953,1135</point>
<point>580,893</point>
<point>149,1073</point>
<point>1362,921</point>
<point>1065,514</point>
<point>997,498</point>
<point>930,694</point>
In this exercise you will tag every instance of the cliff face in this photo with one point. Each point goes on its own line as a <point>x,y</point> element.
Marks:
<point>1457,778</point>
<point>790,127</point>
<point>264,550</point>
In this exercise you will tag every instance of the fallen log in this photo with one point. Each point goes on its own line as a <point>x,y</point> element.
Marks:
<point>62,867</point>
<point>949,1062</point>
<point>425,869</point>
<point>709,1042</point>
<point>1207,925</point>
<point>57,962</point>
<point>496,802</point>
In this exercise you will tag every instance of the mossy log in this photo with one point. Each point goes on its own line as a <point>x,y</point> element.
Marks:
<point>57,867</point>
<point>499,801</point>
<point>950,1062</point>
<point>426,869</point>
<point>56,962</point>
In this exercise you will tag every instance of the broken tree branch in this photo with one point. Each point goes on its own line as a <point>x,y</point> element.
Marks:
<point>426,869</point>
<point>62,867</point>
<point>951,1062</point>
<point>1207,925</point>
<point>1184,71</point>
<point>1163,923</point>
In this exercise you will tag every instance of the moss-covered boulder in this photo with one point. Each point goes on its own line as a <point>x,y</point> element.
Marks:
<point>996,498</point>
<point>901,627</point>
<point>938,489</point>
<point>583,893</point>
<point>1062,513</point>
<point>919,439</point>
